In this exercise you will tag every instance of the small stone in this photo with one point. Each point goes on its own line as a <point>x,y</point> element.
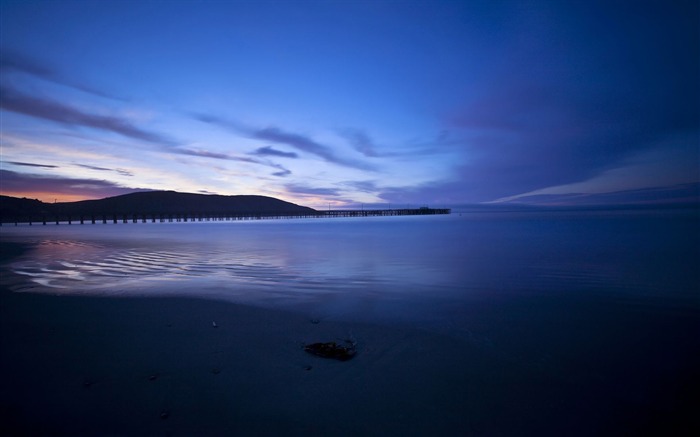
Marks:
<point>214,324</point>
<point>315,321</point>
<point>153,377</point>
<point>308,367</point>
<point>88,384</point>
<point>164,414</point>
<point>215,371</point>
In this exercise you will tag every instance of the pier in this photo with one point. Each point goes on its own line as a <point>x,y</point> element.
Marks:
<point>155,217</point>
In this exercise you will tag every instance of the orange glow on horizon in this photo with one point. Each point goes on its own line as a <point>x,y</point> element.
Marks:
<point>47,197</point>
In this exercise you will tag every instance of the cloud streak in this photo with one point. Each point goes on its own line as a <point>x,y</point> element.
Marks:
<point>120,171</point>
<point>13,182</point>
<point>305,189</point>
<point>308,145</point>
<point>362,142</point>
<point>47,109</point>
<point>11,61</point>
<point>674,194</point>
<point>278,136</point>
<point>269,151</point>
<point>281,171</point>
<point>29,164</point>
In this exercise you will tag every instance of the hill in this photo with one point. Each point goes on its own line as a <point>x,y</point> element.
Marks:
<point>149,203</point>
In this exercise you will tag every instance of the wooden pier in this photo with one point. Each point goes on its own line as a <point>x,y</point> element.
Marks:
<point>202,217</point>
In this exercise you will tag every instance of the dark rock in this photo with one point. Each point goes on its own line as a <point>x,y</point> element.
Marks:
<point>332,350</point>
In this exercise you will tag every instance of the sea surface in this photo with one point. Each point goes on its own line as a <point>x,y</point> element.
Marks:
<point>600,308</point>
<point>375,267</point>
<point>417,269</point>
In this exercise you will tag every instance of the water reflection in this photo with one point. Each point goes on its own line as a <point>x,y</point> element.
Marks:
<point>442,256</point>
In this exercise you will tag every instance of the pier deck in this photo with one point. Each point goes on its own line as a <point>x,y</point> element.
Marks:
<point>155,217</point>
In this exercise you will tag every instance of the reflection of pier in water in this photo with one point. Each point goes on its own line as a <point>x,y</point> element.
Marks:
<point>232,216</point>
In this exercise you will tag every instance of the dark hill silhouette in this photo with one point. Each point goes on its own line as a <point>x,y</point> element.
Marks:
<point>11,207</point>
<point>149,202</point>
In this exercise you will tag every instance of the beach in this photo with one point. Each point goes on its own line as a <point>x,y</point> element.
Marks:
<point>97,366</point>
<point>142,366</point>
<point>142,355</point>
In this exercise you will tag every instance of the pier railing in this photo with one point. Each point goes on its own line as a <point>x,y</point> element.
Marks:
<point>155,217</point>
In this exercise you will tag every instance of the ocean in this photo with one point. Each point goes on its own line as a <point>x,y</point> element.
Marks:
<point>605,303</point>
<point>379,268</point>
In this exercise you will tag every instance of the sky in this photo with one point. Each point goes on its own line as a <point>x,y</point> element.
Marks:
<point>348,103</point>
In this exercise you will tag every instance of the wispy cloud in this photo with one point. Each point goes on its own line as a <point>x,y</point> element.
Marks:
<point>306,144</point>
<point>362,142</point>
<point>366,145</point>
<point>12,61</point>
<point>674,194</point>
<point>47,109</point>
<point>213,155</point>
<point>281,171</point>
<point>438,193</point>
<point>269,151</point>
<point>120,171</point>
<point>30,164</point>
<point>364,186</point>
<point>665,165</point>
<point>305,189</point>
<point>13,182</point>
<point>279,136</point>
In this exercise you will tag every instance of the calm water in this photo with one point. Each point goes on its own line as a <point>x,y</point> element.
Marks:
<point>373,267</point>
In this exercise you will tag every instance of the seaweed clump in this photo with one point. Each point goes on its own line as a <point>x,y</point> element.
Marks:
<point>342,352</point>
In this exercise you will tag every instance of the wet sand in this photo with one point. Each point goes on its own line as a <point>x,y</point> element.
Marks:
<point>96,366</point>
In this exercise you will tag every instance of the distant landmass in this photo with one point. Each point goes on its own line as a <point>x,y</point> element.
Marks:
<point>150,203</point>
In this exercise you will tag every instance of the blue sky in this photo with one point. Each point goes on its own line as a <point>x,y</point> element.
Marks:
<point>352,102</point>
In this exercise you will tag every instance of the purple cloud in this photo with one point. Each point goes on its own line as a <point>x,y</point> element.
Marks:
<point>279,136</point>
<point>213,155</point>
<point>439,193</point>
<point>29,164</point>
<point>364,186</point>
<point>14,61</point>
<point>10,60</point>
<point>676,194</point>
<point>12,100</point>
<point>306,144</point>
<point>120,171</point>
<point>13,182</point>
<point>223,156</point>
<point>361,142</point>
<point>269,151</point>
<point>283,172</point>
<point>305,189</point>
